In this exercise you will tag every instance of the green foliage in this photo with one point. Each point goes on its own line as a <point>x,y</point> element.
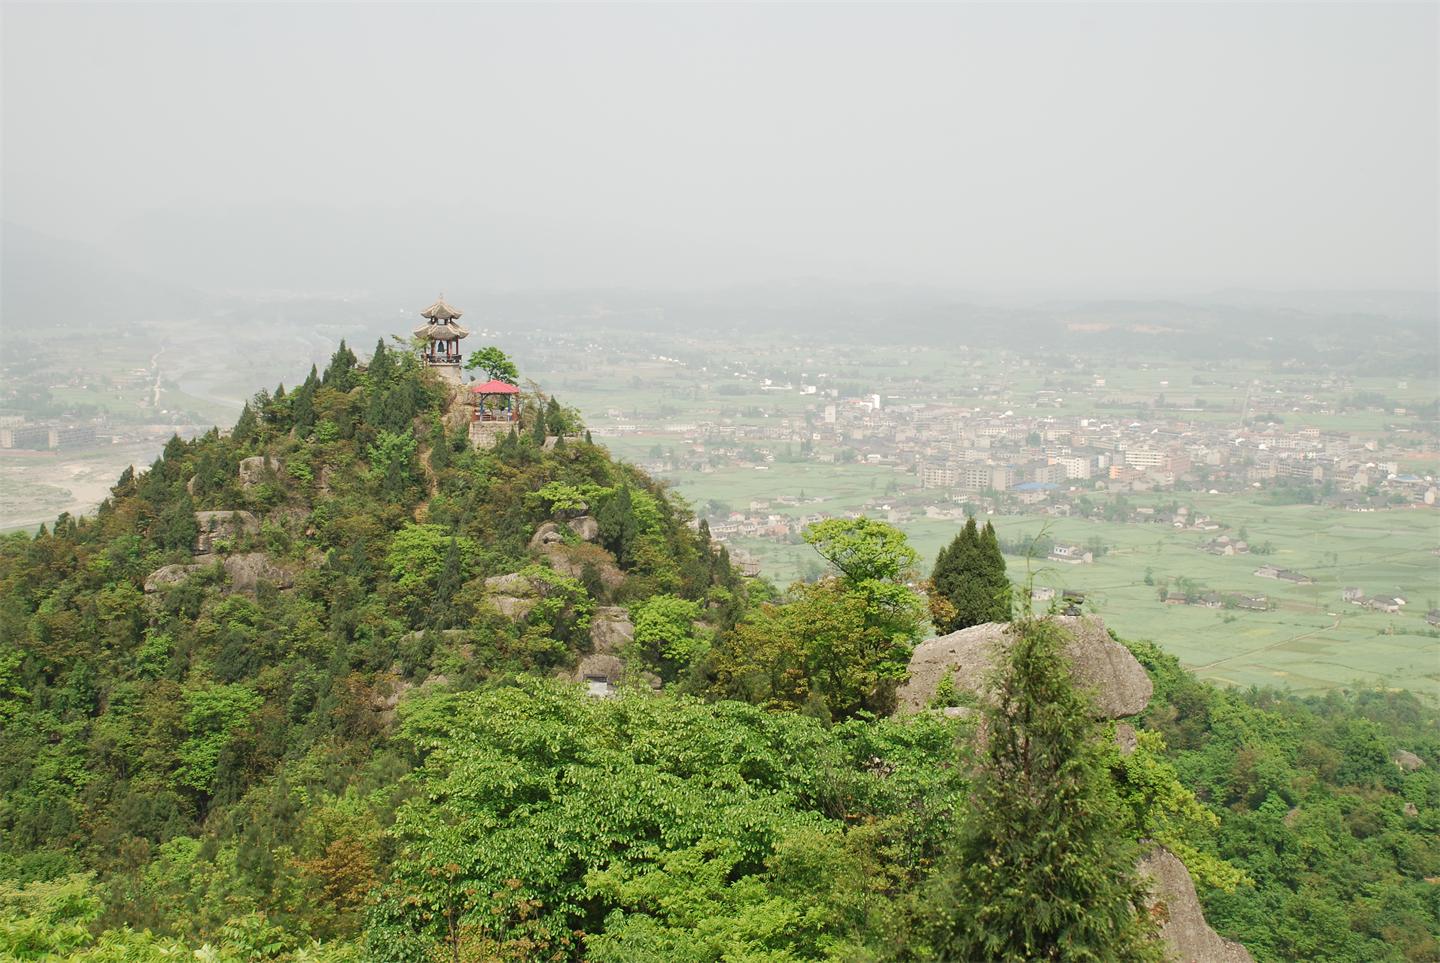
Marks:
<point>392,461</point>
<point>212,716</point>
<point>666,639</point>
<point>418,553</point>
<point>547,823</point>
<point>863,549</point>
<point>495,363</point>
<point>1041,869</point>
<point>838,646</point>
<point>968,585</point>
<point>1312,810</point>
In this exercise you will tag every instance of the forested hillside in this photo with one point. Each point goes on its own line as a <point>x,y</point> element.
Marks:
<point>315,689</point>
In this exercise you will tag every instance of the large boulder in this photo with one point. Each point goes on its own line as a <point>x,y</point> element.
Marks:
<point>586,527</point>
<point>222,525</point>
<point>248,570</point>
<point>547,534</point>
<point>168,575</point>
<point>1407,760</point>
<point>513,595</point>
<point>1183,927</point>
<point>571,560</point>
<point>610,629</point>
<point>1119,683</point>
<point>602,672</point>
<point>253,470</point>
<point>244,573</point>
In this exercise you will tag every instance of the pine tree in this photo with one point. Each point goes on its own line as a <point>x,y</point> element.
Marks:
<point>302,404</point>
<point>340,372</point>
<point>176,528</point>
<point>618,527</point>
<point>955,594</point>
<point>447,585</point>
<point>1043,870</point>
<point>537,429</point>
<point>997,583</point>
<point>555,417</point>
<point>968,585</point>
<point>382,367</point>
<point>246,426</point>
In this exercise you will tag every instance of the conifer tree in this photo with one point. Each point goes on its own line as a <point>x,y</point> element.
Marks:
<point>302,404</point>
<point>968,585</point>
<point>340,373</point>
<point>1043,870</point>
<point>956,600</point>
<point>537,429</point>
<point>999,590</point>
<point>448,584</point>
<point>176,528</point>
<point>618,526</point>
<point>246,425</point>
<point>382,366</point>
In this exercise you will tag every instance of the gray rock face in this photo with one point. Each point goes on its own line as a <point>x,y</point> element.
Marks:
<point>222,525</point>
<point>244,573</point>
<point>1407,760</point>
<point>512,584</point>
<point>168,575</point>
<point>610,628</point>
<point>252,470</point>
<point>513,595</point>
<point>248,570</point>
<point>1184,930</point>
<point>599,667</point>
<point>547,534</point>
<point>571,560</point>
<point>586,527</point>
<point>1119,684</point>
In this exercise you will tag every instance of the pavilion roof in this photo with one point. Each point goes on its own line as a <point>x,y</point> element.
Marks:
<point>495,387</point>
<point>442,332</point>
<point>440,311</point>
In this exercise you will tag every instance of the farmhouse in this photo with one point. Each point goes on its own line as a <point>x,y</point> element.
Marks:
<point>1284,575</point>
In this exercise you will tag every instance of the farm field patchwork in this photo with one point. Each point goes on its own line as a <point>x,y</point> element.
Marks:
<point>1311,641</point>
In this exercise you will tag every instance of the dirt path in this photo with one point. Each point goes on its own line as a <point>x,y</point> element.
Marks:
<point>432,484</point>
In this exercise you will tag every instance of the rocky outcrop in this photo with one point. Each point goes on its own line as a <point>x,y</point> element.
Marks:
<point>167,575</point>
<point>243,573</point>
<point>610,630</point>
<point>253,470</point>
<point>224,525</point>
<point>513,595</point>
<point>547,534</point>
<point>601,671</point>
<point>1119,683</point>
<point>1407,760</point>
<point>248,570</point>
<point>1182,923</point>
<point>571,560</point>
<point>586,527</point>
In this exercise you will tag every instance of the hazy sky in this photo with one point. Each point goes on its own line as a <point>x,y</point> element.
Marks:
<point>1110,146</point>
